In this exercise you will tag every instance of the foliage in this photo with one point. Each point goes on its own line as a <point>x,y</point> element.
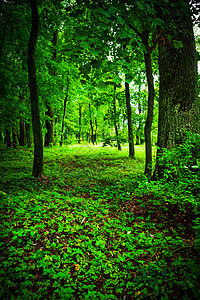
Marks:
<point>181,178</point>
<point>85,232</point>
<point>180,164</point>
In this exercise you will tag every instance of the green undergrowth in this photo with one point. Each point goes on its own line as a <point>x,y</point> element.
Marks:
<point>94,228</point>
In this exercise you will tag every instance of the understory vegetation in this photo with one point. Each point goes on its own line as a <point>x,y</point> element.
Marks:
<point>95,228</point>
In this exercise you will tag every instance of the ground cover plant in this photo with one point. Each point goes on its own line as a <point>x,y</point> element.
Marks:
<point>95,228</point>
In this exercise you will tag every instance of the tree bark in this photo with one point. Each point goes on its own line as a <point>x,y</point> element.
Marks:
<point>28,135</point>
<point>129,117</point>
<point>151,93</point>
<point>8,138</point>
<point>139,130</point>
<point>37,131</point>
<point>64,113</point>
<point>22,132</point>
<point>49,136</point>
<point>91,125</point>
<point>2,39</point>
<point>95,135</point>
<point>115,118</point>
<point>14,135</point>
<point>80,123</point>
<point>179,107</point>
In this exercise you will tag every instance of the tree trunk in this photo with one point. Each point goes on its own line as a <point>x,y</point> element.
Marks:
<point>91,125</point>
<point>95,135</point>
<point>37,131</point>
<point>129,117</point>
<point>28,134</point>
<point>49,136</point>
<point>179,107</point>
<point>151,93</point>
<point>22,132</point>
<point>115,118</point>
<point>79,122</point>
<point>8,139</point>
<point>14,136</point>
<point>64,113</point>
<point>138,132</point>
<point>2,39</point>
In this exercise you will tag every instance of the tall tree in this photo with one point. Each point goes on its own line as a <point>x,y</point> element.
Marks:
<point>179,106</point>
<point>49,136</point>
<point>79,123</point>
<point>37,131</point>
<point>115,118</point>
<point>91,124</point>
<point>151,95</point>
<point>64,113</point>
<point>129,118</point>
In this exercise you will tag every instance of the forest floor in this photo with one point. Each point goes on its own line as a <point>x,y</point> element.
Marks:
<point>93,228</point>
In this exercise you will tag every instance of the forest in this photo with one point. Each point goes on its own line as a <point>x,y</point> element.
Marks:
<point>99,149</point>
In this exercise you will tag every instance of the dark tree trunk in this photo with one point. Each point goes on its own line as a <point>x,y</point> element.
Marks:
<point>64,113</point>
<point>22,132</point>
<point>95,135</point>
<point>49,136</point>
<point>8,139</point>
<point>179,107</point>
<point>79,122</point>
<point>28,134</point>
<point>2,39</point>
<point>54,42</point>
<point>37,131</point>
<point>91,124</point>
<point>151,93</point>
<point>115,118</point>
<point>129,117</point>
<point>14,136</point>
<point>139,130</point>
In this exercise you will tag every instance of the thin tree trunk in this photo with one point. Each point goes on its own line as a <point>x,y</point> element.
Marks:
<point>151,93</point>
<point>91,125</point>
<point>115,117</point>
<point>8,139</point>
<point>64,113</point>
<point>14,136</point>
<point>22,132</point>
<point>129,117</point>
<point>37,130</point>
<point>28,134</point>
<point>49,136</point>
<point>2,39</point>
<point>95,135</point>
<point>79,122</point>
<point>138,132</point>
<point>54,42</point>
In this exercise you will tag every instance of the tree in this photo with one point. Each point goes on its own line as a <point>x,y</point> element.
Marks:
<point>37,131</point>
<point>151,95</point>
<point>129,118</point>
<point>49,136</point>
<point>115,118</point>
<point>179,106</point>
<point>64,112</point>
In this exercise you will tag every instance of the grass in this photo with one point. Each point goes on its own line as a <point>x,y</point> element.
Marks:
<point>92,229</point>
